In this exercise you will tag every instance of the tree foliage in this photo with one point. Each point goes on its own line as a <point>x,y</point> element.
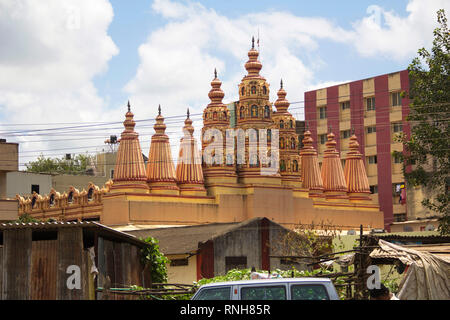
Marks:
<point>156,259</point>
<point>427,156</point>
<point>76,165</point>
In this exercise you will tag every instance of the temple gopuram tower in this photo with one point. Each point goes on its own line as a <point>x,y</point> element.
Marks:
<point>161,175</point>
<point>288,146</point>
<point>334,184</point>
<point>189,166</point>
<point>216,121</point>
<point>355,174</point>
<point>254,111</point>
<point>310,170</point>
<point>129,172</point>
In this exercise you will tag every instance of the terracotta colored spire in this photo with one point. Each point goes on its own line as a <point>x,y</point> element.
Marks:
<point>160,169</point>
<point>310,171</point>
<point>216,112</point>
<point>129,171</point>
<point>281,104</point>
<point>332,172</point>
<point>253,66</point>
<point>189,167</point>
<point>355,173</point>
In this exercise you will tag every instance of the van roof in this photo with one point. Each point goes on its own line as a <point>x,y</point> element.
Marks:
<point>262,281</point>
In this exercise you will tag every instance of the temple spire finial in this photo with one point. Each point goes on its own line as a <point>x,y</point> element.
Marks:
<point>253,42</point>
<point>188,114</point>
<point>129,108</point>
<point>159,110</point>
<point>215,73</point>
<point>281,84</point>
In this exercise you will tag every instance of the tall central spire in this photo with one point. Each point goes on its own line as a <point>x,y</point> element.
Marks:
<point>253,66</point>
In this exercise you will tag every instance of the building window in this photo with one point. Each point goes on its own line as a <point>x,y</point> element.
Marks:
<point>397,127</point>
<point>291,124</point>
<point>266,111</point>
<point>373,159</point>
<point>370,103</point>
<point>254,111</point>
<point>322,112</point>
<point>396,99</point>
<point>281,124</point>
<point>323,138</point>
<point>264,90</point>
<point>345,105</point>
<point>345,134</point>
<point>282,166</point>
<point>243,91</point>
<point>179,262</point>
<point>215,116</point>
<point>397,159</point>
<point>373,189</point>
<point>371,129</point>
<point>34,188</point>
<point>295,165</point>
<point>235,263</point>
<point>292,143</point>
<point>242,113</point>
<point>253,89</point>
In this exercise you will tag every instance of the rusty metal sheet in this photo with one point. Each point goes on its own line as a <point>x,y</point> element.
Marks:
<point>17,260</point>
<point>44,262</point>
<point>70,250</point>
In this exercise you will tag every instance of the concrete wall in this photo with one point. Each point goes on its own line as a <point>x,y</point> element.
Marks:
<point>19,182</point>
<point>9,156</point>
<point>9,210</point>
<point>182,274</point>
<point>245,241</point>
<point>63,182</point>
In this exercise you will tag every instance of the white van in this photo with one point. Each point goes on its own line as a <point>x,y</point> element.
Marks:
<point>269,289</point>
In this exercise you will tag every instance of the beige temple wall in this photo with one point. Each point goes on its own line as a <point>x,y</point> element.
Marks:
<point>274,203</point>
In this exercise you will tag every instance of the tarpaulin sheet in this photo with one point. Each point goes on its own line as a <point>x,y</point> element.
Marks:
<point>427,277</point>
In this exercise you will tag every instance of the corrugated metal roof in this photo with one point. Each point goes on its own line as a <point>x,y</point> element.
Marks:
<point>102,229</point>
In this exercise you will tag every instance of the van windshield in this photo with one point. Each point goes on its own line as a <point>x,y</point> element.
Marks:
<point>263,293</point>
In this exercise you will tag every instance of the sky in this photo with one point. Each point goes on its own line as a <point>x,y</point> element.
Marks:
<point>72,65</point>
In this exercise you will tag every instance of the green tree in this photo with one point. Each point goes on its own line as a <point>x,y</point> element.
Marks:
<point>77,165</point>
<point>156,259</point>
<point>429,142</point>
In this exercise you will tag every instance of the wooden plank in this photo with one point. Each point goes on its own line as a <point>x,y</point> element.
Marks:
<point>135,265</point>
<point>109,265</point>
<point>118,268</point>
<point>44,268</point>
<point>70,249</point>
<point>17,263</point>
<point>1,272</point>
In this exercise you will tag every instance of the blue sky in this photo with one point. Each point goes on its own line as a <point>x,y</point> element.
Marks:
<point>79,61</point>
<point>135,20</point>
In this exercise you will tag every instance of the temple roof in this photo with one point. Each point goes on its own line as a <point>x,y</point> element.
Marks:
<point>160,166</point>
<point>216,112</point>
<point>310,171</point>
<point>282,104</point>
<point>355,171</point>
<point>253,65</point>
<point>189,166</point>
<point>129,164</point>
<point>332,171</point>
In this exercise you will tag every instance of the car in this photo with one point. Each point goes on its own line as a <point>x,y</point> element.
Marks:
<point>269,289</point>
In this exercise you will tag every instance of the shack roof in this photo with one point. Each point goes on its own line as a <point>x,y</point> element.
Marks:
<point>185,240</point>
<point>100,229</point>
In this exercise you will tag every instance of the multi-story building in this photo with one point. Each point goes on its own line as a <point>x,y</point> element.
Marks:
<point>376,111</point>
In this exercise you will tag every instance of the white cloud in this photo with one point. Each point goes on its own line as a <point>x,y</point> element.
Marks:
<point>390,35</point>
<point>48,58</point>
